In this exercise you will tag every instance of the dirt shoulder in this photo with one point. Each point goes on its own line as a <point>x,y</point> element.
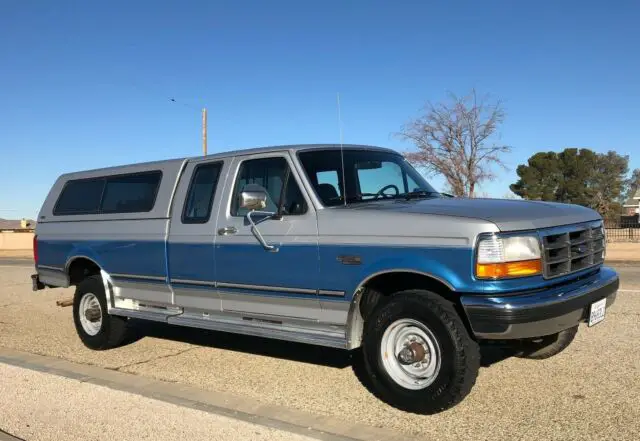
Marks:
<point>628,251</point>
<point>17,253</point>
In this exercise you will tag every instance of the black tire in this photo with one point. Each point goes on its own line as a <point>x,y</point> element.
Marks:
<point>547,346</point>
<point>113,329</point>
<point>460,354</point>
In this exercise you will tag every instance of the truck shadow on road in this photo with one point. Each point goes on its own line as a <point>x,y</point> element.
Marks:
<point>304,353</point>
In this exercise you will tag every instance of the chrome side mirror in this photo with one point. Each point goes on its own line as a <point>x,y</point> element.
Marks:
<point>253,197</point>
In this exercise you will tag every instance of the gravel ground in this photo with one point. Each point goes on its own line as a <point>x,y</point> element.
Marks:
<point>78,412</point>
<point>590,391</point>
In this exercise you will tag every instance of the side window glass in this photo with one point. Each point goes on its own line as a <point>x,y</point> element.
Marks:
<point>131,194</point>
<point>202,189</point>
<point>270,174</point>
<point>80,197</point>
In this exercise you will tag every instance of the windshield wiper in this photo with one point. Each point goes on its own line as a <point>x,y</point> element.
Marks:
<point>419,194</point>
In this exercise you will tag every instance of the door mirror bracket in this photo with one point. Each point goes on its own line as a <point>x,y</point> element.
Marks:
<point>254,198</point>
<point>256,231</point>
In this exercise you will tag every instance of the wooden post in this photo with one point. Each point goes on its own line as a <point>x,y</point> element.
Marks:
<point>204,132</point>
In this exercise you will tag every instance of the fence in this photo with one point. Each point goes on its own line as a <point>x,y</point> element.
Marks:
<point>16,240</point>
<point>624,229</point>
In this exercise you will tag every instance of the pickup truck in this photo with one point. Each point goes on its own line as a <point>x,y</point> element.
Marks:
<point>345,246</point>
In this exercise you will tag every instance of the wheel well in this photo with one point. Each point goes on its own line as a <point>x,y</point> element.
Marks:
<point>80,269</point>
<point>381,287</point>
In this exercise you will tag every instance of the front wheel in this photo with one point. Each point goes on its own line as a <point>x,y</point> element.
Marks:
<point>96,328</point>
<point>418,354</point>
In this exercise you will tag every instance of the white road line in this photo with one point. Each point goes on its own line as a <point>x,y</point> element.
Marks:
<point>15,266</point>
<point>629,290</point>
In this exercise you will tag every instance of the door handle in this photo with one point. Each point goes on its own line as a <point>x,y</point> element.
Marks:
<point>227,231</point>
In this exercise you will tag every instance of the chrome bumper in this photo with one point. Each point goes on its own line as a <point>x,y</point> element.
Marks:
<point>540,313</point>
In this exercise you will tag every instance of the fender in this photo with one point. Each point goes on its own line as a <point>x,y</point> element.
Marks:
<point>442,273</point>
<point>453,267</point>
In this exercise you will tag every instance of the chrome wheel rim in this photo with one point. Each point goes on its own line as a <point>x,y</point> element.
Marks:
<point>90,314</point>
<point>410,354</point>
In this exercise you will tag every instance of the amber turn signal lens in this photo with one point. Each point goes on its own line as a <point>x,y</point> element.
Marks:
<point>508,269</point>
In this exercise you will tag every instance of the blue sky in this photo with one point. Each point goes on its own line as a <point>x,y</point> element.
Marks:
<point>88,84</point>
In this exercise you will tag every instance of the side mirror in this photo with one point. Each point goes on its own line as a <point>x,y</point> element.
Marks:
<point>253,197</point>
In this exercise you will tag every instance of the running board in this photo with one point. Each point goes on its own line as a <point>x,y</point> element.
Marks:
<point>143,315</point>
<point>267,328</point>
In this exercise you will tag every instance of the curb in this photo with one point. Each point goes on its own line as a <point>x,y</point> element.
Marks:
<point>4,436</point>
<point>322,427</point>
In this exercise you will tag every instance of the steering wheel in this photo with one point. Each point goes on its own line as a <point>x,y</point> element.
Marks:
<point>381,193</point>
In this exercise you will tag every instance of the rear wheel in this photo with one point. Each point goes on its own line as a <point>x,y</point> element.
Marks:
<point>547,346</point>
<point>418,354</point>
<point>96,328</point>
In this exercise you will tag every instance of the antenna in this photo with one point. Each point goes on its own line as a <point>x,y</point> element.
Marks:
<point>344,186</point>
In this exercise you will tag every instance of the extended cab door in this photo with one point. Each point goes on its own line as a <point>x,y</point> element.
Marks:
<point>192,235</point>
<point>253,280</point>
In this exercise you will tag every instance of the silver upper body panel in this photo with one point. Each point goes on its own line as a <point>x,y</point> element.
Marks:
<point>428,219</point>
<point>171,171</point>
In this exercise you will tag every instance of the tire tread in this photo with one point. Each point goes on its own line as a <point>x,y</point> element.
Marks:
<point>466,358</point>
<point>114,328</point>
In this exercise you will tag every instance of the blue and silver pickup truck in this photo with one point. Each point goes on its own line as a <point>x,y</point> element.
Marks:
<point>341,246</point>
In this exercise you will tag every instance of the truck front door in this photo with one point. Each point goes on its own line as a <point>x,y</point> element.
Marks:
<point>251,279</point>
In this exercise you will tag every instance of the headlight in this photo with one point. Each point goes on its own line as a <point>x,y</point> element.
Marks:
<point>509,256</point>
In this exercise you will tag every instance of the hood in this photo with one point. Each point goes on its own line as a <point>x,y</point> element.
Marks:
<point>508,215</point>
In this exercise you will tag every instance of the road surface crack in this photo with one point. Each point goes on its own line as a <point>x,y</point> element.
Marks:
<point>161,357</point>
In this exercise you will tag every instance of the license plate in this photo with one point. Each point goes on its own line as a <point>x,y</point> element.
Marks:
<point>597,311</point>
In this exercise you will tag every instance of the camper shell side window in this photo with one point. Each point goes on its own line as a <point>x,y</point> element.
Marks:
<point>124,193</point>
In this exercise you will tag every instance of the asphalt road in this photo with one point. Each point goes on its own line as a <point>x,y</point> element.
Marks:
<point>16,261</point>
<point>590,391</point>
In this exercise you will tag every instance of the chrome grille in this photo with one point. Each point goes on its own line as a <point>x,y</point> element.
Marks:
<point>570,249</point>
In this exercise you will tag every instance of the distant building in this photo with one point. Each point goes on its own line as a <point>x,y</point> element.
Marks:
<point>632,205</point>
<point>22,224</point>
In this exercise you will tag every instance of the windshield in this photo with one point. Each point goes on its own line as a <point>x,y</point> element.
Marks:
<point>369,175</point>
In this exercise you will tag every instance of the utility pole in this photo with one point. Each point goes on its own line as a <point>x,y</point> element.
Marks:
<point>204,132</point>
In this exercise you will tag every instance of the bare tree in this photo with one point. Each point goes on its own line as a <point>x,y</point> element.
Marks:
<point>454,140</point>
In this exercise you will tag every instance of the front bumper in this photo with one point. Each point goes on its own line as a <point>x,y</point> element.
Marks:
<point>544,312</point>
